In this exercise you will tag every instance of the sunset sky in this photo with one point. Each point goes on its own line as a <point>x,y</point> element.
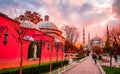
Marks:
<point>94,15</point>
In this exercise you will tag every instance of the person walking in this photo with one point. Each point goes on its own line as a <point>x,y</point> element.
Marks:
<point>94,57</point>
<point>100,57</point>
<point>116,58</point>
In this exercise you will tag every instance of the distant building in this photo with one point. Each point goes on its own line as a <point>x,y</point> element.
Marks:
<point>96,41</point>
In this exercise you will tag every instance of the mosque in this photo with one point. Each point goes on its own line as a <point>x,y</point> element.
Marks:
<point>43,37</point>
<point>95,41</point>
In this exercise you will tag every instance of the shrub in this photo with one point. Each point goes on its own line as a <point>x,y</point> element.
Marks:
<point>78,58</point>
<point>34,69</point>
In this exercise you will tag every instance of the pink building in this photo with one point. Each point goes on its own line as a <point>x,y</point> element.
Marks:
<point>35,38</point>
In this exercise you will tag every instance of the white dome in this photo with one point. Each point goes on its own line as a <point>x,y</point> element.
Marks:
<point>56,40</point>
<point>96,38</point>
<point>47,25</point>
<point>29,38</point>
<point>28,24</point>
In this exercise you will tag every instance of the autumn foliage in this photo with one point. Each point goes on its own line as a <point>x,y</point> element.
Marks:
<point>31,16</point>
<point>97,49</point>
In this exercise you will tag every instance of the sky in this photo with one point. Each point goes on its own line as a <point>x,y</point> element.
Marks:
<point>93,15</point>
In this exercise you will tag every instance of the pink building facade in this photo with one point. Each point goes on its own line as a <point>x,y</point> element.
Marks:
<point>11,50</point>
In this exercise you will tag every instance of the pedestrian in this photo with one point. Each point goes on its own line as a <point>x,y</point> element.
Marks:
<point>95,58</point>
<point>116,58</point>
<point>100,57</point>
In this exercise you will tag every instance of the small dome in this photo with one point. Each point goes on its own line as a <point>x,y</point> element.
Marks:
<point>96,38</point>
<point>47,25</point>
<point>28,24</point>
<point>56,40</point>
<point>29,38</point>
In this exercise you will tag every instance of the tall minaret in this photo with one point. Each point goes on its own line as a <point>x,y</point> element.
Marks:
<point>89,41</point>
<point>83,36</point>
<point>88,37</point>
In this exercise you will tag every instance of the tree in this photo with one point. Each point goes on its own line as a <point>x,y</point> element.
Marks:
<point>112,43</point>
<point>81,48</point>
<point>96,49</point>
<point>109,49</point>
<point>20,38</point>
<point>33,17</point>
<point>22,32</point>
<point>71,35</point>
<point>115,39</point>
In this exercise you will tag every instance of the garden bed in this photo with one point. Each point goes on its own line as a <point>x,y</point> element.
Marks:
<point>34,69</point>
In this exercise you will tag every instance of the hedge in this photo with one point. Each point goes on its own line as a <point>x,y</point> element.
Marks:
<point>34,69</point>
<point>78,58</point>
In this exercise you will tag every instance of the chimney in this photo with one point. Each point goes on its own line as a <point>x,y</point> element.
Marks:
<point>46,18</point>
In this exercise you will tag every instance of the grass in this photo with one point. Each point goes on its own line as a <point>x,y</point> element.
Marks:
<point>112,70</point>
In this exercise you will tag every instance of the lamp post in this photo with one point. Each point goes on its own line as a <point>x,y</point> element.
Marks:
<point>62,49</point>
<point>5,37</point>
<point>57,47</point>
<point>2,28</point>
<point>49,47</point>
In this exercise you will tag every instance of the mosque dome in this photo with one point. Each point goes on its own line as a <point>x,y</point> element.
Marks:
<point>28,24</point>
<point>46,24</point>
<point>96,41</point>
<point>96,38</point>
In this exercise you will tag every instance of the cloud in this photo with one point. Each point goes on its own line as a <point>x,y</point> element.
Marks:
<point>77,13</point>
<point>116,8</point>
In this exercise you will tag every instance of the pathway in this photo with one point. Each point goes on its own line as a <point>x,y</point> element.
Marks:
<point>85,67</point>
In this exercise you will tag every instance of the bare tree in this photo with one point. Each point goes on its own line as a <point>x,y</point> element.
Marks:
<point>71,35</point>
<point>20,38</point>
<point>112,41</point>
<point>115,38</point>
<point>21,34</point>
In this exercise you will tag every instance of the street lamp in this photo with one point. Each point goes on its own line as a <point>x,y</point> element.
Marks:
<point>56,45</point>
<point>2,28</point>
<point>50,48</point>
<point>5,38</point>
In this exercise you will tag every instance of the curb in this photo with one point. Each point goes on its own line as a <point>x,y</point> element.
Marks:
<point>100,68</point>
<point>83,59</point>
<point>74,64</point>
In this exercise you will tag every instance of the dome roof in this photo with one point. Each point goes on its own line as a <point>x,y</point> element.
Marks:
<point>56,40</point>
<point>29,38</point>
<point>96,38</point>
<point>28,24</point>
<point>47,25</point>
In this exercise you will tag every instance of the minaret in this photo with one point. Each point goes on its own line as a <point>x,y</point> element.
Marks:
<point>83,37</point>
<point>89,41</point>
<point>88,37</point>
